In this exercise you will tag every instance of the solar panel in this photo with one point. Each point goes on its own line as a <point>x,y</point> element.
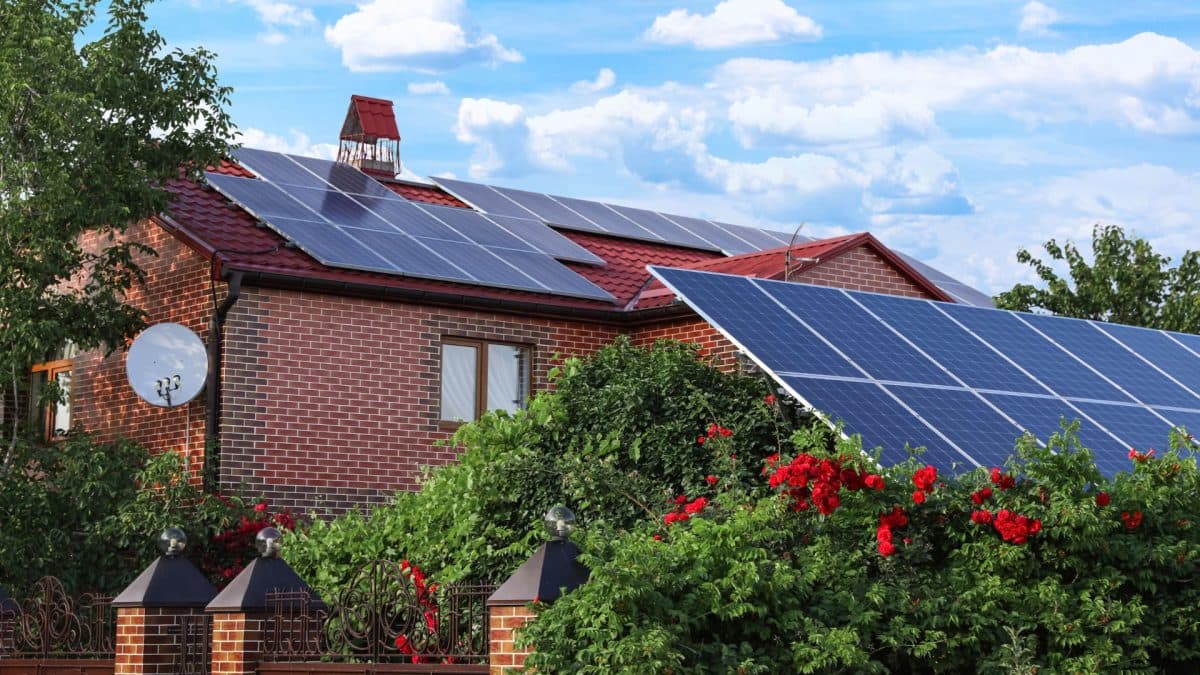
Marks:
<point>550,210</point>
<point>759,239</point>
<point>484,198</point>
<point>670,231</point>
<point>612,221</point>
<point>545,239</point>
<point>344,218</point>
<point>728,244</point>
<point>964,381</point>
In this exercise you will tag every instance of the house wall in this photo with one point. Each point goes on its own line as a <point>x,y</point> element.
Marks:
<point>176,289</point>
<point>329,402</point>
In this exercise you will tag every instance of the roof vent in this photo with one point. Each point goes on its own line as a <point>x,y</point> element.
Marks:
<point>370,140</point>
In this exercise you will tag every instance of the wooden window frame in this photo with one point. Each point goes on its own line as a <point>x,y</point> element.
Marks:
<point>480,346</point>
<point>50,371</point>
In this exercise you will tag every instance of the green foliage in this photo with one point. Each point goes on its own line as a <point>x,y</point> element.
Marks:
<point>90,514</point>
<point>91,131</point>
<point>752,586</point>
<point>616,440</point>
<point>1126,282</point>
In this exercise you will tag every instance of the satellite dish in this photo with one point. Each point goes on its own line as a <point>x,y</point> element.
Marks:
<point>167,365</point>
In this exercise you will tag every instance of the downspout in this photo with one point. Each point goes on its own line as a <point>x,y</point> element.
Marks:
<point>213,385</point>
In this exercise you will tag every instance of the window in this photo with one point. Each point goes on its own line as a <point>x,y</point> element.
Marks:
<point>53,417</point>
<point>479,376</point>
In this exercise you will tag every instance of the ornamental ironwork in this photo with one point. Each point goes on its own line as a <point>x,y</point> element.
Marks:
<point>387,614</point>
<point>53,624</point>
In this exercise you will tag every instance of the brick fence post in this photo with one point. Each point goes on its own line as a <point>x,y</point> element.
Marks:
<point>240,612</point>
<point>550,572</point>
<point>150,610</point>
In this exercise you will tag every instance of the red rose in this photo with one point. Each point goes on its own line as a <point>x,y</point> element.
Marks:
<point>770,399</point>
<point>918,497</point>
<point>701,439</point>
<point>1102,499</point>
<point>658,537</point>
<point>681,500</point>
<point>711,480</point>
<point>874,481</point>
<point>260,507</point>
<point>886,548</point>
<point>924,478</point>
<point>696,506</point>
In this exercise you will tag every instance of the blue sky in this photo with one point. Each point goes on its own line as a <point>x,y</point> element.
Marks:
<point>955,130</point>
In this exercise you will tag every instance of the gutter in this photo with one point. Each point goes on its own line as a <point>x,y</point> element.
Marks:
<point>212,432</point>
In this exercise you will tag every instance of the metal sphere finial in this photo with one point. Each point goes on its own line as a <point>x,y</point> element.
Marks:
<point>560,521</point>
<point>172,541</point>
<point>268,542</point>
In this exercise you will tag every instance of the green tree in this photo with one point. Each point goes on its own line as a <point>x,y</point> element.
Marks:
<point>89,133</point>
<point>1126,282</point>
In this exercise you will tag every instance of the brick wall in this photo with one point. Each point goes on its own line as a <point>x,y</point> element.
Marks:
<point>859,269</point>
<point>329,402</point>
<point>503,655</point>
<point>236,643</point>
<point>102,401</point>
<point>148,640</point>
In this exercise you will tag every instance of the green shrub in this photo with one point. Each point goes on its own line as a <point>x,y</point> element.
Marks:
<point>615,440</point>
<point>750,585</point>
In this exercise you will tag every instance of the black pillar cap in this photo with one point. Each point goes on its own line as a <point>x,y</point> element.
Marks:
<point>550,572</point>
<point>170,581</point>
<point>248,590</point>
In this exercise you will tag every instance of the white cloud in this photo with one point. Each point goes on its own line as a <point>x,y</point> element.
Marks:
<point>435,88</point>
<point>298,144</point>
<point>1148,82</point>
<point>1037,18</point>
<point>418,35</point>
<point>733,23</point>
<point>275,13</point>
<point>605,79</point>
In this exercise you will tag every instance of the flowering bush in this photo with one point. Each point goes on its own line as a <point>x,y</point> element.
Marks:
<point>234,547</point>
<point>1041,565</point>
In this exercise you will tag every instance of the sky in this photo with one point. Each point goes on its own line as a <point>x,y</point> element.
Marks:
<point>954,130</point>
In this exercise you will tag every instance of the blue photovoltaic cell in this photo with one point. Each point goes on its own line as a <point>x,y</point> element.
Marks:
<point>869,411</point>
<point>669,231</point>
<point>611,221</point>
<point>277,168</point>
<point>546,240</point>
<point>1043,417</point>
<point>1083,339</point>
<point>1135,425</point>
<point>475,227</point>
<point>260,197</point>
<point>831,313</point>
<point>949,284</point>
<point>758,238</point>
<point>330,245</point>
<point>737,306</point>
<point>406,256</point>
<point>727,242</point>
<point>344,177</point>
<point>550,272</point>
<point>484,197</point>
<point>957,350</point>
<point>1034,353</point>
<point>965,419</point>
<point>1192,342</point>
<point>337,207</point>
<point>482,264</point>
<point>408,218</point>
<point>1188,419</point>
<point>1162,351</point>
<point>549,210</point>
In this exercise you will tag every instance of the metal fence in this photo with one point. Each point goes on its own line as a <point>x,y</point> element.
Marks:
<point>50,623</point>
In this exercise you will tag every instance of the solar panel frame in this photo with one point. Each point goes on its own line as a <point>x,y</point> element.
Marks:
<point>670,231</point>
<point>612,221</point>
<point>1157,347</point>
<point>542,237</point>
<point>339,208</point>
<point>276,167</point>
<point>544,269</point>
<point>328,244</point>
<point>475,227</point>
<point>409,256</point>
<point>550,210</point>
<point>260,198</point>
<point>484,198</point>
<point>727,243</point>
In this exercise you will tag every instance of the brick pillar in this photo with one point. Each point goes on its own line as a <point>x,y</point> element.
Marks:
<point>148,640</point>
<point>237,642</point>
<point>503,623</point>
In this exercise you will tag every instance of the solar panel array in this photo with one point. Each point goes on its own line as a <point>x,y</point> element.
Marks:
<point>344,218</point>
<point>619,221</point>
<point>962,381</point>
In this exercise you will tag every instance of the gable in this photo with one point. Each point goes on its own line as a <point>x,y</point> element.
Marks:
<point>862,268</point>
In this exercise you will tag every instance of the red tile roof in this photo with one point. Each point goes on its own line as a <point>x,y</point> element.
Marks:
<point>428,194</point>
<point>625,273</point>
<point>375,116</point>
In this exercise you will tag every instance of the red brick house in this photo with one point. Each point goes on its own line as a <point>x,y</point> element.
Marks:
<point>330,387</point>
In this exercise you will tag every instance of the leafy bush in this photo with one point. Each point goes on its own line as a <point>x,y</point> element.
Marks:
<point>1044,566</point>
<point>91,513</point>
<point>616,440</point>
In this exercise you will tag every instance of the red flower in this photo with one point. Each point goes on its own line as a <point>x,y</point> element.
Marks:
<point>681,500</point>
<point>711,480</point>
<point>658,537</point>
<point>675,517</point>
<point>701,439</point>
<point>924,478</point>
<point>725,432</point>
<point>980,496</point>
<point>712,429</point>
<point>260,507</point>
<point>1140,456</point>
<point>770,399</point>
<point>981,517</point>
<point>1102,499</point>
<point>697,505</point>
<point>886,548</point>
<point>873,481</point>
<point>918,497</point>
<point>1132,520</point>
<point>1002,480</point>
